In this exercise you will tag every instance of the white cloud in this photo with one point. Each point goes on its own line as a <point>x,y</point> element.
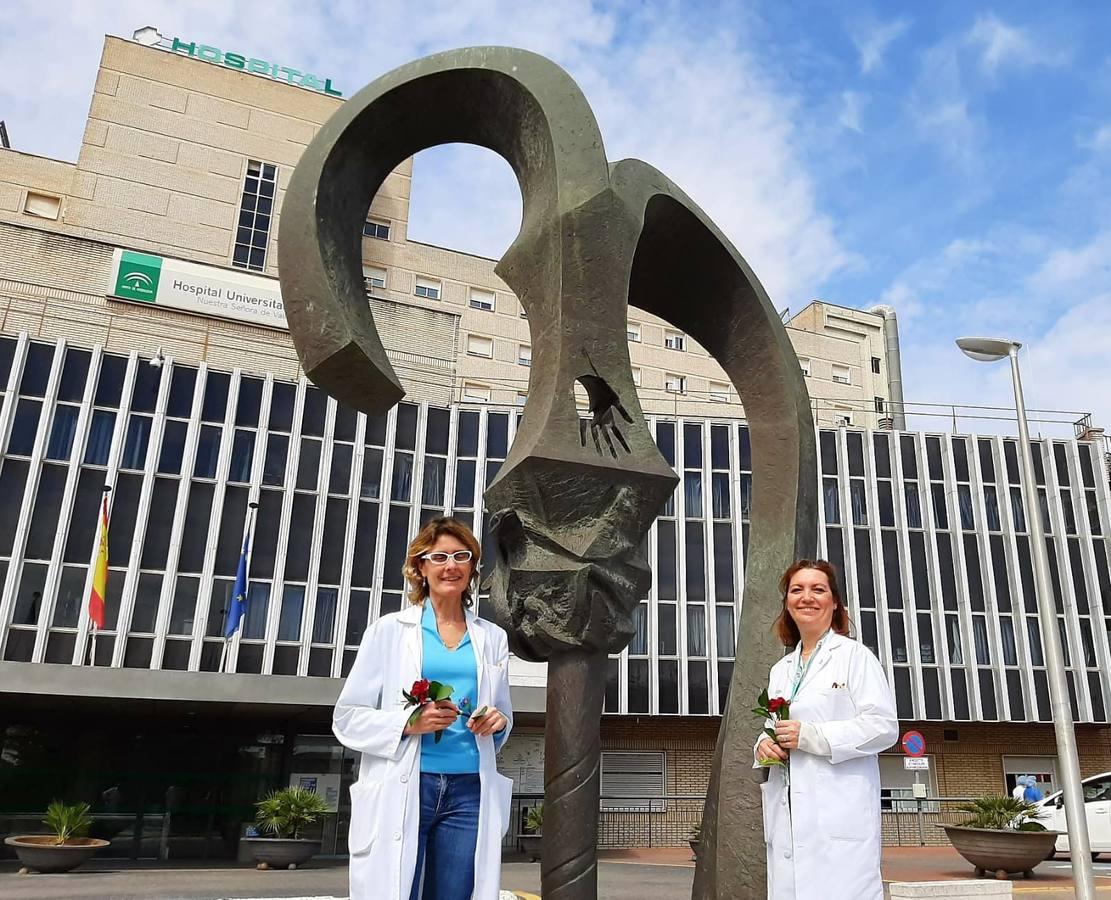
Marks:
<point>1000,44</point>
<point>852,106</point>
<point>872,42</point>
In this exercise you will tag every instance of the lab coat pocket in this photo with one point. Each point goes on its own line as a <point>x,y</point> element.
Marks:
<point>840,814</point>
<point>501,801</point>
<point>365,797</point>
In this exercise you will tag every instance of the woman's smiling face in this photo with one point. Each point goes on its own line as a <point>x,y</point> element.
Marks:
<point>810,601</point>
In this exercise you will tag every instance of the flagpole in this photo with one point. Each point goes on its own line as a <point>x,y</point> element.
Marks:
<point>237,607</point>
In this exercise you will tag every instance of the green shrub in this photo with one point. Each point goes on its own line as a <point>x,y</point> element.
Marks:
<point>284,813</point>
<point>1000,812</point>
<point>68,821</point>
<point>534,819</point>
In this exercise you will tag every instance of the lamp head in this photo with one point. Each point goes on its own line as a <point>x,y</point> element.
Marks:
<point>986,349</point>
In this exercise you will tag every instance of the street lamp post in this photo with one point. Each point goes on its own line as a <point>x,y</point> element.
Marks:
<point>991,350</point>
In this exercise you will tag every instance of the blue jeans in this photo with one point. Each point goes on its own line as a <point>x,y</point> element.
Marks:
<point>447,837</point>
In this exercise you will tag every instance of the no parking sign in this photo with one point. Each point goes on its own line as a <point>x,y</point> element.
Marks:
<point>914,744</point>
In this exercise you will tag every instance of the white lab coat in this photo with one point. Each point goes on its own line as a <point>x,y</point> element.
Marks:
<point>385,802</point>
<point>826,843</point>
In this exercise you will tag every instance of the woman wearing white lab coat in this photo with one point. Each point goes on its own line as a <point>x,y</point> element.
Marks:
<point>386,828</point>
<point>822,810</point>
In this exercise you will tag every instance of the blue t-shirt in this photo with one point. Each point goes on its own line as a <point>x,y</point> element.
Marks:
<point>457,751</point>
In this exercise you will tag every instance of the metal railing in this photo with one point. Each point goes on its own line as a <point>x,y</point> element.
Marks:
<point>913,822</point>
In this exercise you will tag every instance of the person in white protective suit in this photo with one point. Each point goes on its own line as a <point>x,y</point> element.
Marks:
<point>428,813</point>
<point>821,799</point>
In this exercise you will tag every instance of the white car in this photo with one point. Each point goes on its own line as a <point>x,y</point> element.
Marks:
<point>1097,805</point>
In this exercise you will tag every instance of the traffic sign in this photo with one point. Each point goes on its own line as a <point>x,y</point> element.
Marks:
<point>914,744</point>
<point>916,763</point>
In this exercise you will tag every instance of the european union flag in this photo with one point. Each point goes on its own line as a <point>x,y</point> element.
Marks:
<point>239,592</point>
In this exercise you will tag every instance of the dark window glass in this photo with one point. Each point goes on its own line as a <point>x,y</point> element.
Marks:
<point>136,442</point>
<point>182,384</point>
<point>397,541</point>
<point>868,631</point>
<point>173,447</point>
<point>1018,511</point>
<point>828,443</point>
<point>1096,689</point>
<point>198,515</point>
<point>376,431</point>
<point>407,427</point>
<point>835,553</point>
<point>889,540</point>
<point>669,686</point>
<point>1103,575</point>
<point>468,432</point>
<point>999,573</point>
<point>464,483</point>
<point>612,701</point>
<point>145,612</point>
<point>933,458</point>
<point>332,542</point>
<point>249,402</point>
<point>1054,575</point>
<point>666,560</point>
<point>300,537</point>
<point>24,427</point>
<point>904,704</point>
<point>75,372</point>
<point>1062,464</point>
<point>744,448</point>
<point>746,497</point>
<point>1093,512</point>
<point>723,561</point>
<point>366,543</point>
<point>402,488</point>
<point>932,690</point>
<point>497,435</point>
<point>831,501</point>
<point>698,689</point>
<point>84,518</point>
<point>858,501</point>
<point>1039,464</point>
<point>281,406</point>
<point>208,452</point>
<point>62,429</point>
<point>71,599</point>
<point>1041,692</point>
<point>242,455</point>
<point>308,465</point>
<point>1010,457</point>
<point>719,446</point>
<point>109,386</point>
<point>1079,582</point>
<point>972,571</point>
<point>987,460</point>
<point>215,404</point>
<point>36,369</point>
<point>28,600</point>
<point>886,504</point>
<point>855,443</point>
<point>692,445</point>
<point>156,541</point>
<point>666,639</point>
<point>289,620</point>
<point>941,514</point>
<point>964,505</point>
<point>909,456</point>
<point>44,513</point>
<point>926,653</point>
<point>638,685</point>
<point>144,395</point>
<point>273,466</point>
<point>1014,695</point>
<point>1026,574</point>
<point>947,570</point>
<point>882,451</point>
<point>254,619</point>
<point>960,459</point>
<point>123,513</point>
<point>960,694</point>
<point>991,509</point>
<point>358,614</point>
<point>953,635</point>
<point>324,617</point>
<point>339,480</point>
<point>432,488</point>
<point>265,540</point>
<point>1034,640</point>
<point>346,418</point>
<point>665,440</point>
<point>898,638</point>
<point>7,354</point>
<point>1087,472</point>
<point>696,561</point>
<point>315,412</point>
<point>913,502</point>
<point>864,579</point>
<point>436,433</point>
<point>987,695</point>
<point>370,485</point>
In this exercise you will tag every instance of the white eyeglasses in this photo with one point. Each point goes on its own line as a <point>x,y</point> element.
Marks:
<point>439,557</point>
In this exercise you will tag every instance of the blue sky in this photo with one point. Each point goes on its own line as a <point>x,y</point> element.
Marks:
<point>950,159</point>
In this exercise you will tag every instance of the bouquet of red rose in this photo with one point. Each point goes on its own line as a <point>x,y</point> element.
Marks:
<point>423,692</point>
<point>778,709</point>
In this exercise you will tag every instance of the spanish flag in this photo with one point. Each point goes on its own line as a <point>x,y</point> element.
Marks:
<point>100,573</point>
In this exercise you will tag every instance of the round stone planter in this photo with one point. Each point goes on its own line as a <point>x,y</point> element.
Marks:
<point>41,853</point>
<point>281,853</point>
<point>1001,852</point>
<point>530,845</point>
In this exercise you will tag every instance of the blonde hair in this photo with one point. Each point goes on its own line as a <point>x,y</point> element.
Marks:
<point>424,541</point>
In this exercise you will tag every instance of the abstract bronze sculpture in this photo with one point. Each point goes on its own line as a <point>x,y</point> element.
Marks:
<point>574,500</point>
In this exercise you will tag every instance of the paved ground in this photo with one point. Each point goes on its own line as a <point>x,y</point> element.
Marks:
<point>664,874</point>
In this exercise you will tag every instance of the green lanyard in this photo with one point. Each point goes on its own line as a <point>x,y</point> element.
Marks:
<point>801,669</point>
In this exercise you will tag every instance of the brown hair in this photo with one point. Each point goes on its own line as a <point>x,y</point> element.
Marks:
<point>424,541</point>
<point>785,628</point>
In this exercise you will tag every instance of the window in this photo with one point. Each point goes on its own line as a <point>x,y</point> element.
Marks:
<point>636,375</point>
<point>639,777</point>
<point>477,345</point>
<point>896,782</point>
<point>632,331</point>
<point>804,364</point>
<point>374,277</point>
<point>841,374</point>
<point>522,397</point>
<point>255,209</point>
<point>675,384</point>
<point>377,228</point>
<point>524,355</point>
<point>879,403</point>
<point>719,392</point>
<point>675,340</point>
<point>428,288</point>
<point>475,393</point>
<point>482,299</point>
<point>875,365</point>
<point>42,206</point>
<point>842,415</point>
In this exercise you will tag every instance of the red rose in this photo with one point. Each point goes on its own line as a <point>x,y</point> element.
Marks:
<point>420,690</point>
<point>776,704</point>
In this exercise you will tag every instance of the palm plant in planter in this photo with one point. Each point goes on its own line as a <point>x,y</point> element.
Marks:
<point>532,839</point>
<point>1001,835</point>
<point>66,848</point>
<point>694,838</point>
<point>284,815</point>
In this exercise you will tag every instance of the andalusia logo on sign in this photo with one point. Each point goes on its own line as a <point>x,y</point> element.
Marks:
<point>138,275</point>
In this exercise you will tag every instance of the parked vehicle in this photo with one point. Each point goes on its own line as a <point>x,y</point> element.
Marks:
<point>1097,805</point>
